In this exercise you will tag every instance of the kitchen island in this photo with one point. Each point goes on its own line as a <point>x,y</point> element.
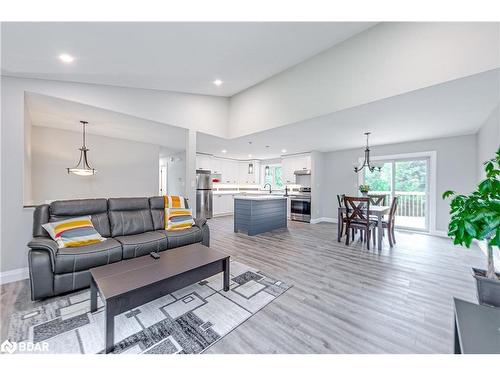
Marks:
<point>259,213</point>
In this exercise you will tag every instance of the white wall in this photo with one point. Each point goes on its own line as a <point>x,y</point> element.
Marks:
<point>124,168</point>
<point>198,112</point>
<point>176,180</point>
<point>319,187</point>
<point>455,163</point>
<point>488,140</point>
<point>27,196</point>
<point>386,60</point>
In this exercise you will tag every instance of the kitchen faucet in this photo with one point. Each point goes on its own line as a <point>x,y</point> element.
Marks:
<point>270,188</point>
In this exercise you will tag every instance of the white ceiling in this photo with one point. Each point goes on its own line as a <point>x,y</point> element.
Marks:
<point>184,57</point>
<point>64,114</point>
<point>453,108</point>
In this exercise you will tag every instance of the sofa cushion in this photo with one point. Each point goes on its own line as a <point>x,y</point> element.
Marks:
<point>73,259</point>
<point>96,208</point>
<point>183,237</point>
<point>136,245</point>
<point>129,216</point>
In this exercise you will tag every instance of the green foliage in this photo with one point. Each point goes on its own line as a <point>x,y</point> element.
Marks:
<point>409,176</point>
<point>275,177</point>
<point>278,177</point>
<point>477,215</point>
<point>379,180</point>
<point>364,188</point>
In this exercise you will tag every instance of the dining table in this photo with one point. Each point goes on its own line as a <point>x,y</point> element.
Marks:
<point>375,211</point>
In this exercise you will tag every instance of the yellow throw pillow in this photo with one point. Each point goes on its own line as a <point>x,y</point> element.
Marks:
<point>174,201</point>
<point>178,218</point>
<point>77,231</point>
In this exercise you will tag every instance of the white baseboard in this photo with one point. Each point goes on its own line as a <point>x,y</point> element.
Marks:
<point>439,233</point>
<point>324,220</point>
<point>223,214</point>
<point>14,275</point>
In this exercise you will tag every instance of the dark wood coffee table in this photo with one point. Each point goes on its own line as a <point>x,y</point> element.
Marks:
<point>132,283</point>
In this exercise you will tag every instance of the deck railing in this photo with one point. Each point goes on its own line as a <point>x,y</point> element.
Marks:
<point>411,204</point>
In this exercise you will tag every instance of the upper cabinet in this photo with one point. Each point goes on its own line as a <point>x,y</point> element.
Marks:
<point>290,164</point>
<point>249,172</point>
<point>203,162</point>
<point>231,171</point>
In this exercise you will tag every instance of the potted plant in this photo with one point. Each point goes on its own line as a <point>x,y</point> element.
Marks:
<point>477,217</point>
<point>364,189</point>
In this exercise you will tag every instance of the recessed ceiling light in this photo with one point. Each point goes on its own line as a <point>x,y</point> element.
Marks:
<point>65,58</point>
<point>283,151</point>
<point>224,151</point>
<point>217,82</point>
<point>249,155</point>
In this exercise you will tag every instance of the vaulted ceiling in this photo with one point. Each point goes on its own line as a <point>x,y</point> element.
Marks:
<point>183,57</point>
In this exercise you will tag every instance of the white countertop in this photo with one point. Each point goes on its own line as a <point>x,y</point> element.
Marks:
<point>259,197</point>
<point>252,192</point>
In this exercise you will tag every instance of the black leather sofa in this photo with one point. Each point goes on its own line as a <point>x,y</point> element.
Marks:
<point>133,227</point>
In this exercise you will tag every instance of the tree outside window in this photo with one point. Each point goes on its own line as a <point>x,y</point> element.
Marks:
<point>274,176</point>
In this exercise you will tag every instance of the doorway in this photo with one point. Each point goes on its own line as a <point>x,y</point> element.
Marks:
<point>408,180</point>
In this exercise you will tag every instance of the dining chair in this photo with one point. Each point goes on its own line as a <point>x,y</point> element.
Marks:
<point>389,223</point>
<point>358,218</point>
<point>377,199</point>
<point>342,218</point>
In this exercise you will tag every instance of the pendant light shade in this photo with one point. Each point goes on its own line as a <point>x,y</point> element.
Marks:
<point>83,167</point>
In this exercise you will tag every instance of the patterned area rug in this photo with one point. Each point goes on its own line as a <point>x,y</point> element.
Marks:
<point>187,321</point>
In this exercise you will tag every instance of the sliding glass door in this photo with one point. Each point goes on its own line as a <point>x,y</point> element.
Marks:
<point>407,179</point>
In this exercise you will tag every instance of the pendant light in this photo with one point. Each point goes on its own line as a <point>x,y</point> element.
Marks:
<point>366,162</point>
<point>82,168</point>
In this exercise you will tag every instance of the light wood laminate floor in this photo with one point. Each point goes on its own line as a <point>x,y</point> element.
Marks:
<point>343,299</point>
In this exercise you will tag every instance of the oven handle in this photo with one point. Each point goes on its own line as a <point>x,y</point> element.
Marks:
<point>300,199</point>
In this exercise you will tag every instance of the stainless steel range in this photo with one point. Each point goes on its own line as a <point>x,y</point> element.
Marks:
<point>300,205</point>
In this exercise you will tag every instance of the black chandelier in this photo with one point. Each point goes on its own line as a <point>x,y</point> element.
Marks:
<point>82,168</point>
<point>366,162</point>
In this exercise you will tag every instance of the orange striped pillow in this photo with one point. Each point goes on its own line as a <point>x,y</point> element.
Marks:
<point>174,201</point>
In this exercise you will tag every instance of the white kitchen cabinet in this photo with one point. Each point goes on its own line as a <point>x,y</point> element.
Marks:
<point>223,204</point>
<point>217,204</point>
<point>249,178</point>
<point>256,172</point>
<point>230,171</point>
<point>291,164</point>
<point>203,162</point>
<point>225,168</point>
<point>287,168</point>
<point>243,175</point>
<point>216,166</point>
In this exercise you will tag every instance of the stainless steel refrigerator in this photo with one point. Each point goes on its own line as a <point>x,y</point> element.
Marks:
<point>203,194</point>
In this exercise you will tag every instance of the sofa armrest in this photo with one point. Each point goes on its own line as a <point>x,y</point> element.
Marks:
<point>47,244</point>
<point>205,230</point>
<point>200,222</point>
